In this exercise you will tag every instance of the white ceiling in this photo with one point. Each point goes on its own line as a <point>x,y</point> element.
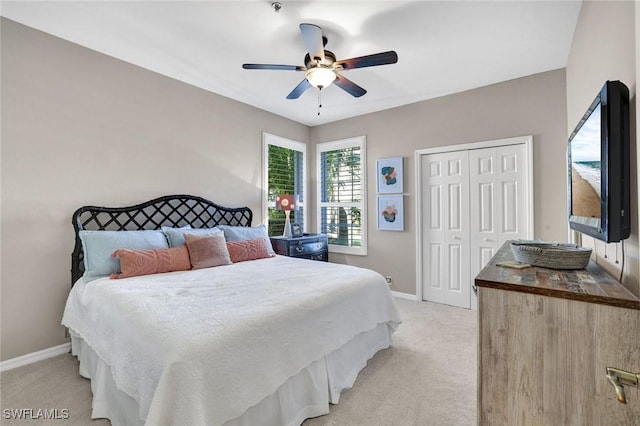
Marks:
<point>443,47</point>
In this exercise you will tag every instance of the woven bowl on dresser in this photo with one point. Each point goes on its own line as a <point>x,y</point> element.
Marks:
<point>552,255</point>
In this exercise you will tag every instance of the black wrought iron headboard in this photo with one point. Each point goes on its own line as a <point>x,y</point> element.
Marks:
<point>170,210</point>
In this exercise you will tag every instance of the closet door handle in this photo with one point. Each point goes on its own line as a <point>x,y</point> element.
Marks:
<point>455,237</point>
<point>488,240</point>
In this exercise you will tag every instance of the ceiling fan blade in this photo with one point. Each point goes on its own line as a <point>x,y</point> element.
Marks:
<point>383,58</point>
<point>312,35</point>
<point>349,86</point>
<point>273,67</point>
<point>299,90</point>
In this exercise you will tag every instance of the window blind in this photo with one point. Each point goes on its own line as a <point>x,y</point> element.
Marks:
<point>285,176</point>
<point>342,195</point>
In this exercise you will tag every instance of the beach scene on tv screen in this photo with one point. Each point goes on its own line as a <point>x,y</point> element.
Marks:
<point>585,168</point>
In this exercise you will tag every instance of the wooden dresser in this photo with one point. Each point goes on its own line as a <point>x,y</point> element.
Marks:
<point>545,339</point>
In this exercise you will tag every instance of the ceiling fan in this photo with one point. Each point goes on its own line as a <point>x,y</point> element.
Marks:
<point>321,67</point>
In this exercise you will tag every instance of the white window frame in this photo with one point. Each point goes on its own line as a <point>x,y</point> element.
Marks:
<point>361,142</point>
<point>269,139</point>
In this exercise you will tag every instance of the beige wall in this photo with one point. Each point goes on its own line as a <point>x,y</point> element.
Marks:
<point>79,128</point>
<point>603,49</point>
<point>533,105</point>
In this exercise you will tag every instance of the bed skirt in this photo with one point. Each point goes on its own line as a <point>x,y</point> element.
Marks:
<point>307,394</point>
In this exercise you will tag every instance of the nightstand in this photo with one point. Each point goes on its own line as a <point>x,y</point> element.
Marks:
<point>308,246</point>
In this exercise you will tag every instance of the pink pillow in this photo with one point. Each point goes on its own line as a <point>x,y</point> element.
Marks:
<point>134,263</point>
<point>207,250</point>
<point>241,251</point>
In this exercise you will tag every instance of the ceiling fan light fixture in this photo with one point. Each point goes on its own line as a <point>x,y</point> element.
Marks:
<point>320,77</point>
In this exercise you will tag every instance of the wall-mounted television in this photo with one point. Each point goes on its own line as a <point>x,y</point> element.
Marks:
<point>598,167</point>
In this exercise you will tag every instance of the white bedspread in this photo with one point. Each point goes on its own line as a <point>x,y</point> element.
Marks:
<point>200,347</point>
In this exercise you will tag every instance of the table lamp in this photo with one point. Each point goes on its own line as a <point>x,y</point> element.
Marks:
<point>287,202</point>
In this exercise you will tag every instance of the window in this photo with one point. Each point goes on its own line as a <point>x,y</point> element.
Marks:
<point>285,172</point>
<point>342,195</point>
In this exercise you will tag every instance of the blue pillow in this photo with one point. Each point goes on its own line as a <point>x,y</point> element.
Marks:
<point>243,233</point>
<point>176,235</point>
<point>98,246</point>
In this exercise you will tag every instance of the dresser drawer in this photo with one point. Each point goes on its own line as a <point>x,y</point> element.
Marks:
<point>301,248</point>
<point>319,255</point>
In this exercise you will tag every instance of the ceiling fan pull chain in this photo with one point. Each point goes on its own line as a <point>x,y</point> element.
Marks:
<point>319,100</point>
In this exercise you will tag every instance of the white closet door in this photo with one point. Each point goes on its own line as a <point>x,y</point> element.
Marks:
<point>499,206</point>
<point>445,218</point>
<point>471,201</point>
<point>482,194</point>
<point>514,210</point>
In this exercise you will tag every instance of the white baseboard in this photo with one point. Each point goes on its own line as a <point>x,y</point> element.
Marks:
<point>401,295</point>
<point>35,357</point>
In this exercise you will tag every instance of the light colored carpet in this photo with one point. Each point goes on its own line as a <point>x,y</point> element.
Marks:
<point>428,377</point>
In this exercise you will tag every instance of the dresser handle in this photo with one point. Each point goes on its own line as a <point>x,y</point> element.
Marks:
<point>620,378</point>
<point>299,249</point>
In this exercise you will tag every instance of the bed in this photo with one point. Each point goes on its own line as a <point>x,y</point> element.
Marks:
<point>271,340</point>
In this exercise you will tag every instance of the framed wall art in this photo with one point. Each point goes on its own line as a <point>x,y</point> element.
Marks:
<point>390,213</point>
<point>389,175</point>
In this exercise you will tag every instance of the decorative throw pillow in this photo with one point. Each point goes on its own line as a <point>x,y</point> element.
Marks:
<point>206,251</point>
<point>175,236</point>
<point>243,233</point>
<point>98,246</point>
<point>241,251</point>
<point>134,263</point>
